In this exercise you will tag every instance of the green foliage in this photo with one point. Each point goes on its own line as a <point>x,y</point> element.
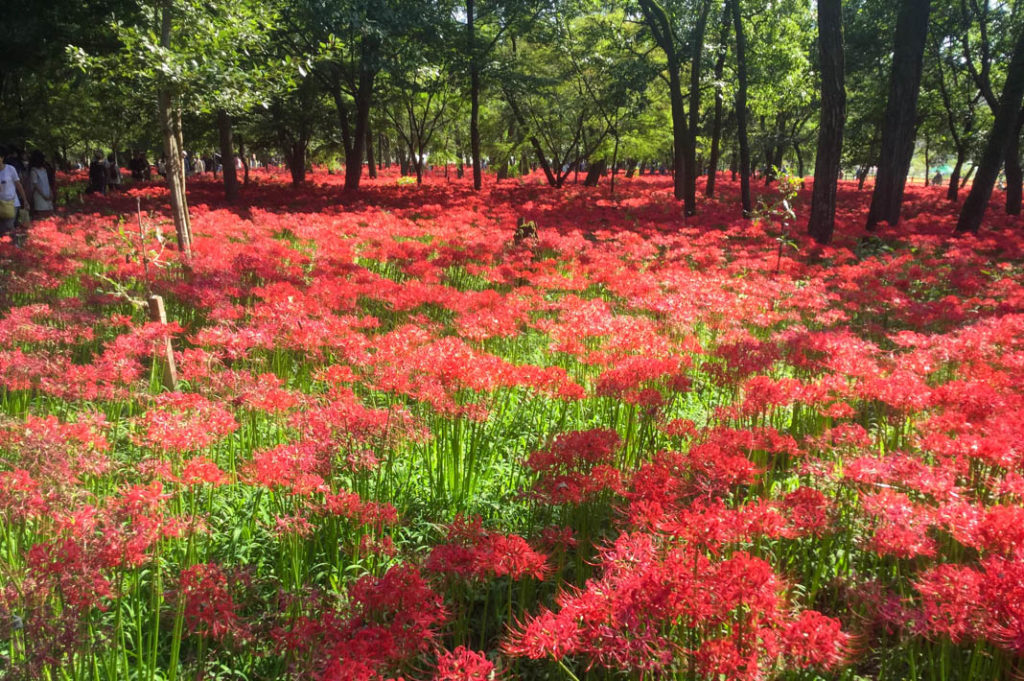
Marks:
<point>582,77</point>
<point>778,211</point>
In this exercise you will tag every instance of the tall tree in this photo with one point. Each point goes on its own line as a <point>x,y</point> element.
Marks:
<point>474,93</point>
<point>677,47</point>
<point>418,98</point>
<point>487,23</point>
<point>985,37</point>
<point>900,113</point>
<point>346,41</point>
<point>170,128</point>
<point>184,54</point>
<point>661,28</point>
<point>957,95</point>
<point>716,125</point>
<point>741,107</point>
<point>690,157</point>
<point>1003,128</point>
<point>833,116</point>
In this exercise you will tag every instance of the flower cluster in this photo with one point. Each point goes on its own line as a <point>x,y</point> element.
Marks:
<point>668,450</point>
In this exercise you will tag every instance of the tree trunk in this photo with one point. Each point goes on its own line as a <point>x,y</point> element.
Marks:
<point>741,108</point>
<point>953,192</point>
<point>227,155</point>
<point>1003,127</point>
<point>245,159</point>
<point>615,165</point>
<point>679,144</point>
<point>716,125</point>
<point>900,113</point>
<point>172,150</point>
<point>403,162</point>
<point>833,118</point>
<point>371,165</point>
<point>534,143</point>
<point>545,166</point>
<point>690,158</point>
<point>776,165</point>
<point>1014,173</point>
<point>927,161</point>
<point>594,173</point>
<point>297,162</point>
<point>180,142</point>
<point>658,23</point>
<point>354,155</point>
<point>474,96</point>
<point>968,176</point>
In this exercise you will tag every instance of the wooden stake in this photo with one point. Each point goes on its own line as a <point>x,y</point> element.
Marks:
<point>163,352</point>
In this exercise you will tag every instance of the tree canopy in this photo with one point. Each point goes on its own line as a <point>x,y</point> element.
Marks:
<point>566,86</point>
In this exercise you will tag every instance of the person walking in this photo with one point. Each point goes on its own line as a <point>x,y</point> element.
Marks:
<point>97,175</point>
<point>12,198</point>
<point>41,190</point>
<point>139,166</point>
<point>113,173</point>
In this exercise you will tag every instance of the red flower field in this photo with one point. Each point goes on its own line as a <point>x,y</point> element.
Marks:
<point>404,446</point>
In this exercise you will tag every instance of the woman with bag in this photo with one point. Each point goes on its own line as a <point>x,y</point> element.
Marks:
<point>12,198</point>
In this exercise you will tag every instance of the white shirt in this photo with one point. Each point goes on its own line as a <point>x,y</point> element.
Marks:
<point>40,181</point>
<point>8,176</point>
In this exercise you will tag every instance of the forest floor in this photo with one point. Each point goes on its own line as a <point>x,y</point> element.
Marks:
<point>404,445</point>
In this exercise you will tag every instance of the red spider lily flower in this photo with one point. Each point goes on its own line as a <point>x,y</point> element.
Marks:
<point>71,570</point>
<point>577,466</point>
<point>210,610</point>
<point>901,526</point>
<point>184,422</point>
<point>472,552</point>
<point>393,619</point>
<point>463,664</point>
<point>815,640</point>
<point>807,511</point>
<point>58,454</point>
<point>951,596</point>
<point>201,470</point>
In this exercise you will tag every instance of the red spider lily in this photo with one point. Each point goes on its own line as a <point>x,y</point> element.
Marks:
<point>463,664</point>
<point>210,610</point>
<point>393,620</point>
<point>902,526</point>
<point>962,602</point>
<point>472,552</point>
<point>814,640</point>
<point>577,466</point>
<point>807,511</point>
<point>201,470</point>
<point>864,406</point>
<point>625,618</point>
<point>185,422</point>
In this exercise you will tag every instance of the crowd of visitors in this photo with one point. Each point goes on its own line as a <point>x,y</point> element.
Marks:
<point>28,182</point>
<point>27,189</point>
